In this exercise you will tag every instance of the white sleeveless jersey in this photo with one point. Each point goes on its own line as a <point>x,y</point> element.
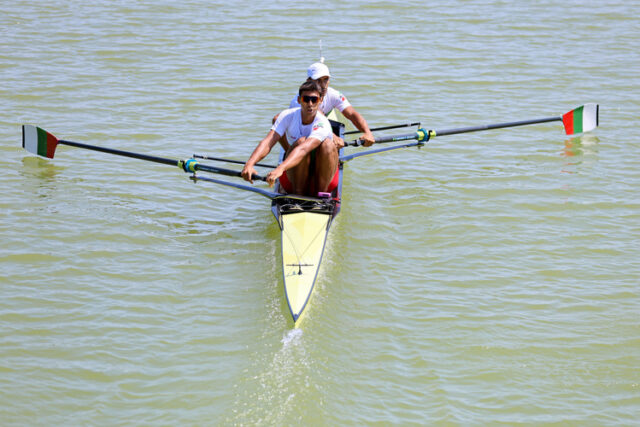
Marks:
<point>289,123</point>
<point>333,99</point>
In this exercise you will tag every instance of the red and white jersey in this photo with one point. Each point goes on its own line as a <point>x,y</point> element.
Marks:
<point>289,123</point>
<point>332,99</point>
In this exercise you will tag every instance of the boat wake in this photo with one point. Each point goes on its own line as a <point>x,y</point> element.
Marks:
<point>276,389</point>
<point>292,337</point>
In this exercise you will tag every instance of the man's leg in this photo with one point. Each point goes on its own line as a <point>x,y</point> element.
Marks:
<point>326,165</point>
<point>299,175</point>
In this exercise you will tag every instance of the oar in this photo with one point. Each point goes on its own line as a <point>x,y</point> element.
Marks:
<point>39,141</point>
<point>404,125</point>
<point>380,150</point>
<point>239,162</point>
<point>581,119</point>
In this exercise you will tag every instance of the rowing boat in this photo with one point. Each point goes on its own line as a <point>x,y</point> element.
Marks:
<point>304,221</point>
<point>304,225</point>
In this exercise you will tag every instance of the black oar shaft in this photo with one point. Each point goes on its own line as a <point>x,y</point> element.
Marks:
<point>395,138</point>
<point>391,138</point>
<point>121,153</point>
<point>495,126</point>
<point>261,191</point>
<point>454,131</point>
<point>222,171</point>
<point>380,150</point>
<point>404,125</point>
<point>238,162</point>
<point>156,159</point>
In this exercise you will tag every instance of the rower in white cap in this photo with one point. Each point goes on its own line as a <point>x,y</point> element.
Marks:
<point>319,72</point>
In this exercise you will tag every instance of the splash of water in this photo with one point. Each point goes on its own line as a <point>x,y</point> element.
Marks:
<point>292,337</point>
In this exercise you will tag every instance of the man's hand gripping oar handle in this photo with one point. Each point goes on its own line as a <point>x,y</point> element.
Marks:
<point>192,165</point>
<point>421,135</point>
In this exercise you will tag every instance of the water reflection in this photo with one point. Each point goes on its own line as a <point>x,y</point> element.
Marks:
<point>581,145</point>
<point>39,168</point>
<point>39,176</point>
<point>579,151</point>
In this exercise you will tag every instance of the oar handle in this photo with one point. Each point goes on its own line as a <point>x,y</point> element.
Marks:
<point>422,135</point>
<point>228,172</point>
<point>192,165</point>
<point>403,125</point>
<point>238,162</point>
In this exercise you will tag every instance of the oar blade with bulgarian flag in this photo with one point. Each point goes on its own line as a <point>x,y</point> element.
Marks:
<point>579,120</point>
<point>42,143</point>
<point>582,119</point>
<point>38,141</point>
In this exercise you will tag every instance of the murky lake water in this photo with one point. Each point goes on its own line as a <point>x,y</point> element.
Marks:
<point>487,278</point>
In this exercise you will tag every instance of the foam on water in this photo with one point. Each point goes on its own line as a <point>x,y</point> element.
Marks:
<point>292,337</point>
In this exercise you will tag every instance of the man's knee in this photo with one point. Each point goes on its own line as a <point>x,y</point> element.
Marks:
<point>327,146</point>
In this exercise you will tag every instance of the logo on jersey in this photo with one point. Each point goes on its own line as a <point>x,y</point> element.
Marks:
<point>342,98</point>
<point>318,126</point>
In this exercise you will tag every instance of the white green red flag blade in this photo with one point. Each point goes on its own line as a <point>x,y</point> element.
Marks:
<point>582,119</point>
<point>38,141</point>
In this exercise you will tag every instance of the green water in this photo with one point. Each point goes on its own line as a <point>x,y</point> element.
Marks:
<point>485,279</point>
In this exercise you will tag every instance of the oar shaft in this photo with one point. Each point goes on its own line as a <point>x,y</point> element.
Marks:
<point>380,150</point>
<point>238,162</point>
<point>147,157</point>
<point>156,159</point>
<point>494,126</point>
<point>454,131</point>
<point>391,138</point>
<point>396,138</point>
<point>404,125</point>
<point>261,191</point>
<point>223,171</point>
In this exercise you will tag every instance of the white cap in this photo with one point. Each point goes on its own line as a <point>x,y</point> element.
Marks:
<point>318,70</point>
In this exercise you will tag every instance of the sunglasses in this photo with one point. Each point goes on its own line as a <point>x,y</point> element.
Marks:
<point>310,98</point>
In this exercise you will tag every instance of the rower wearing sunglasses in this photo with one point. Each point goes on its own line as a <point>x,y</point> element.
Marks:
<point>311,162</point>
<point>334,99</point>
